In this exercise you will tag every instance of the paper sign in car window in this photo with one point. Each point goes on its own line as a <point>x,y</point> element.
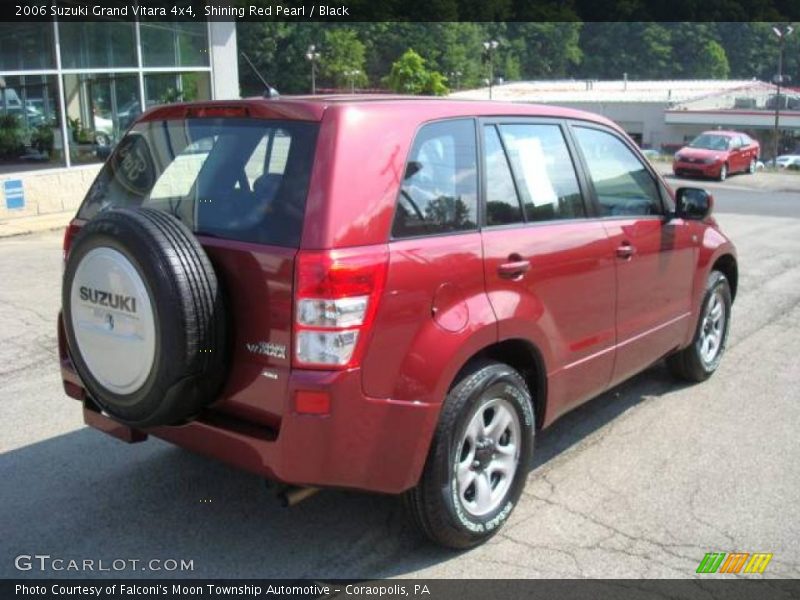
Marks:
<point>536,185</point>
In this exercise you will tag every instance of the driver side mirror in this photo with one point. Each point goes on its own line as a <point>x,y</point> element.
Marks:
<point>693,204</point>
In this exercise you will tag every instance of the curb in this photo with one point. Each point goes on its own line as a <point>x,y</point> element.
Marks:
<point>31,225</point>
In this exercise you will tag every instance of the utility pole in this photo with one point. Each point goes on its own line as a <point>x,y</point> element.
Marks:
<point>352,74</point>
<point>488,50</point>
<point>782,34</point>
<point>313,56</point>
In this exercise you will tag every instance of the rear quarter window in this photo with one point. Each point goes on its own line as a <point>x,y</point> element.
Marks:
<point>238,179</point>
<point>439,192</point>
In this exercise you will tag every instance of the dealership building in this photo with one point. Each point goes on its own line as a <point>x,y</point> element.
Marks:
<point>69,90</point>
<point>666,114</point>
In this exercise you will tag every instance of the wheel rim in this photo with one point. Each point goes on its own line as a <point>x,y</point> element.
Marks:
<point>723,172</point>
<point>712,334</point>
<point>487,457</point>
<point>752,166</point>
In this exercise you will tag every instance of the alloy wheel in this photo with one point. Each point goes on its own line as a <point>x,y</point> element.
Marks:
<point>488,456</point>
<point>712,334</point>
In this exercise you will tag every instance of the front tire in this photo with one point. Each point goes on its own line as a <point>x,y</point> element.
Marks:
<point>701,358</point>
<point>479,458</point>
<point>723,172</point>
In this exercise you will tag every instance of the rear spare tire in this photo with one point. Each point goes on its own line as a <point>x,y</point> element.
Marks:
<point>144,318</point>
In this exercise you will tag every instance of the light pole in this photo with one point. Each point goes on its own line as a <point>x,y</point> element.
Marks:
<point>352,74</point>
<point>782,34</point>
<point>488,53</point>
<point>312,56</point>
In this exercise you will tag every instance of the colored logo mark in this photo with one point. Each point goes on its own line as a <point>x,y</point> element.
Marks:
<point>720,562</point>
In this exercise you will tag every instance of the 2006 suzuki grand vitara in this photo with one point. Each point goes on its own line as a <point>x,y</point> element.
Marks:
<point>387,294</point>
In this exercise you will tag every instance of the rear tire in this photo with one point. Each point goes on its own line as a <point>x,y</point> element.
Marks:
<point>752,168</point>
<point>700,359</point>
<point>479,458</point>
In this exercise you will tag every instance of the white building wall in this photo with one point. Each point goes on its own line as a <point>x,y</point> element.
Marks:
<point>644,118</point>
<point>224,60</point>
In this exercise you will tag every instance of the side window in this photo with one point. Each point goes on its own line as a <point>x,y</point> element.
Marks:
<point>544,171</point>
<point>439,190</point>
<point>623,185</point>
<point>502,202</point>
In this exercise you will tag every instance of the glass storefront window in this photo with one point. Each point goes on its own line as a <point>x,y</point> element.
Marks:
<point>30,126</point>
<point>166,44</point>
<point>100,107</point>
<point>165,88</point>
<point>100,76</point>
<point>97,45</point>
<point>26,46</point>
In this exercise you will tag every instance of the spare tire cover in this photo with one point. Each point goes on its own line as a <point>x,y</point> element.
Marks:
<point>144,317</point>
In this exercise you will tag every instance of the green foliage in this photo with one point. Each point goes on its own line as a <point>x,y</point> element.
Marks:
<point>343,55</point>
<point>712,61</point>
<point>552,46</point>
<point>42,138</point>
<point>409,75</point>
<point>436,85</point>
<point>12,140</point>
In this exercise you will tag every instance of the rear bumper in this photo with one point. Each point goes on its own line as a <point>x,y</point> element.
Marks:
<point>365,443</point>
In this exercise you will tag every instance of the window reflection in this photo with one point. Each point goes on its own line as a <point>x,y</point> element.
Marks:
<point>26,46</point>
<point>100,107</point>
<point>30,134</point>
<point>174,44</point>
<point>97,45</point>
<point>165,88</point>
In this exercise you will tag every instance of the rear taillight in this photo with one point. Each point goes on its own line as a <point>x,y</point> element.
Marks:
<point>336,298</point>
<point>69,234</point>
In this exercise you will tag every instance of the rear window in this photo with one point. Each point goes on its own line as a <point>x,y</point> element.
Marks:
<point>238,179</point>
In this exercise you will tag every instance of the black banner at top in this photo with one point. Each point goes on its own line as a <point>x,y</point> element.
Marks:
<point>402,10</point>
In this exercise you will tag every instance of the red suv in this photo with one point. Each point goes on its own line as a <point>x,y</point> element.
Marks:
<point>386,294</point>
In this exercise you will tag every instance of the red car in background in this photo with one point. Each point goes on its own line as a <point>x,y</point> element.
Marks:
<point>717,154</point>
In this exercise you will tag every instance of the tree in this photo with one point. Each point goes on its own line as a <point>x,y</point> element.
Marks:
<point>712,62</point>
<point>342,58</point>
<point>642,50</point>
<point>409,75</point>
<point>543,50</point>
<point>278,52</point>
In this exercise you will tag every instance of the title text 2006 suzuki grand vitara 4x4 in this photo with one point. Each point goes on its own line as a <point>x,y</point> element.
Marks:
<point>384,294</point>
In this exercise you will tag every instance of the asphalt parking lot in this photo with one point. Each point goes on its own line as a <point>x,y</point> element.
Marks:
<point>640,482</point>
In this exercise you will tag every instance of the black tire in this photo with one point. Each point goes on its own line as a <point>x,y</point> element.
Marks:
<point>434,503</point>
<point>688,364</point>
<point>191,351</point>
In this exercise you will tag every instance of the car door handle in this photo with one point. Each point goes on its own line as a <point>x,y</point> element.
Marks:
<point>625,250</point>
<point>513,270</point>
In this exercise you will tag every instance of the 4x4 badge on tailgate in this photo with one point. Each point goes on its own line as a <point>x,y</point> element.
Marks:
<point>267,349</point>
